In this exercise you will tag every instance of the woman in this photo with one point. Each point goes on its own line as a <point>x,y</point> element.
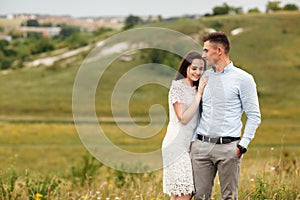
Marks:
<point>184,98</point>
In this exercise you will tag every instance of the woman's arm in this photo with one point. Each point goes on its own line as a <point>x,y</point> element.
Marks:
<point>184,113</point>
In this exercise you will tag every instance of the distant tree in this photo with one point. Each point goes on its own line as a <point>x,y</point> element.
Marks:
<point>76,40</point>
<point>6,55</point>
<point>290,7</point>
<point>5,62</point>
<point>68,30</point>
<point>34,35</point>
<point>43,45</point>
<point>207,15</point>
<point>221,10</point>
<point>46,24</point>
<point>14,33</point>
<point>253,10</point>
<point>159,18</point>
<point>32,22</point>
<point>226,9</point>
<point>273,6</point>
<point>101,31</point>
<point>131,21</point>
<point>9,52</point>
<point>3,44</point>
<point>237,10</point>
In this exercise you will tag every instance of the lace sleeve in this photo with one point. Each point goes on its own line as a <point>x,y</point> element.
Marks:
<point>176,93</point>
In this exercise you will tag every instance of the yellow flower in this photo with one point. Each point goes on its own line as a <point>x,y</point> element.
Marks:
<point>252,184</point>
<point>38,196</point>
<point>84,197</point>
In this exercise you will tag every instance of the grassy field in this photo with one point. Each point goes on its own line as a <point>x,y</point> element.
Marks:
<point>42,156</point>
<point>48,155</point>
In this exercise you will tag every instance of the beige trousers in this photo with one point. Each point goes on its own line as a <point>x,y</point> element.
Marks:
<point>207,160</point>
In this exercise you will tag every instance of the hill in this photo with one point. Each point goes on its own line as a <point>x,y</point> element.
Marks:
<point>267,48</point>
<point>38,135</point>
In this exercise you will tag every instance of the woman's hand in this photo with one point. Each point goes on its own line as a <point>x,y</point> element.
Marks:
<point>202,84</point>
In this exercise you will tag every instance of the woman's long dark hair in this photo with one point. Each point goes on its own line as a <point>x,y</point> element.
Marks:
<point>187,60</point>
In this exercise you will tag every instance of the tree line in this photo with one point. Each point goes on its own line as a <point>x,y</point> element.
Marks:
<point>225,9</point>
<point>22,48</point>
<point>14,53</point>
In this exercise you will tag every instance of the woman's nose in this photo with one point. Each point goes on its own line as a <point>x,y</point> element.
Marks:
<point>199,71</point>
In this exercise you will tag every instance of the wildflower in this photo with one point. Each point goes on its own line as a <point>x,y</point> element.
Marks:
<point>110,185</point>
<point>38,196</point>
<point>273,168</point>
<point>84,197</point>
<point>252,185</point>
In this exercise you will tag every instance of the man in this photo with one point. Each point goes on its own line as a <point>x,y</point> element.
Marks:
<point>219,142</point>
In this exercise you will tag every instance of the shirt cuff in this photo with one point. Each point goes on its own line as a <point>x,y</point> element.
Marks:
<point>245,142</point>
<point>195,136</point>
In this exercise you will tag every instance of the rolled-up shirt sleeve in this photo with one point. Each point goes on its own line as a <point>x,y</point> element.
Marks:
<point>250,105</point>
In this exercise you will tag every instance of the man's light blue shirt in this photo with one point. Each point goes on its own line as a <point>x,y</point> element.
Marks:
<point>226,96</point>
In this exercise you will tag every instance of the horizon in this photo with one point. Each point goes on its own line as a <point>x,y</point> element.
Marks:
<point>103,8</point>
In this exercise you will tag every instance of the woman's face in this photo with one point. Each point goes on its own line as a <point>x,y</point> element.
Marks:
<point>195,70</point>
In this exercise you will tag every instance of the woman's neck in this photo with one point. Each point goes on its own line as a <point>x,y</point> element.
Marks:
<point>189,82</point>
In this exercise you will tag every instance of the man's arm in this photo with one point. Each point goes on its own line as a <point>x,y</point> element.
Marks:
<point>250,106</point>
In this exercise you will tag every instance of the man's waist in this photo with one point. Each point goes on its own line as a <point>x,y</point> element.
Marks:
<point>217,140</point>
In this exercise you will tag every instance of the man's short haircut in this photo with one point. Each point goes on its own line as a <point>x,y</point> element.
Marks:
<point>219,38</point>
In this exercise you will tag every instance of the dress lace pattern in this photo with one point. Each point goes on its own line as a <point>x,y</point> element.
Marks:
<point>177,172</point>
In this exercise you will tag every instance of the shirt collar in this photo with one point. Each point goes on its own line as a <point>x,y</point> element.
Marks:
<point>226,69</point>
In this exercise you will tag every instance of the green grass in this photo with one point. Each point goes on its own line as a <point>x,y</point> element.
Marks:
<point>267,49</point>
<point>38,135</point>
<point>48,152</point>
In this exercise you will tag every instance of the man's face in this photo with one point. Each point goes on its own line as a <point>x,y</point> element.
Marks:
<point>210,53</point>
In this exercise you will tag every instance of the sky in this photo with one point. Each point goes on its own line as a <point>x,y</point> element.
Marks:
<point>98,8</point>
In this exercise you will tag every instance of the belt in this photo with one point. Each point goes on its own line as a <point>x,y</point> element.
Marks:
<point>217,140</point>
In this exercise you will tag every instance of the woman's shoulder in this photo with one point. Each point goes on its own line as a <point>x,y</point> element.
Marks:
<point>177,83</point>
<point>177,87</point>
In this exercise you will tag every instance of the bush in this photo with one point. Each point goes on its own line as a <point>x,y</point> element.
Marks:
<point>41,46</point>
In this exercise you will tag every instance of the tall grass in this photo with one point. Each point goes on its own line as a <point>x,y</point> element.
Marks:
<point>48,161</point>
<point>90,180</point>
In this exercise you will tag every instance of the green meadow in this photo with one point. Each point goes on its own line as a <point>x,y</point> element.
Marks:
<point>42,156</point>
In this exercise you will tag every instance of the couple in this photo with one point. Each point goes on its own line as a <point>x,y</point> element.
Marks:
<point>203,140</point>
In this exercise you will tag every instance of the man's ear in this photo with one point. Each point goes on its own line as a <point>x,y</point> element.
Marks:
<point>220,50</point>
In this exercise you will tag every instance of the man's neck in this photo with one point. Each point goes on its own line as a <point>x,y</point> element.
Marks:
<point>221,65</point>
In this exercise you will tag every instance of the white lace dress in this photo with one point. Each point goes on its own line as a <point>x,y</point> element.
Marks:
<point>177,172</point>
